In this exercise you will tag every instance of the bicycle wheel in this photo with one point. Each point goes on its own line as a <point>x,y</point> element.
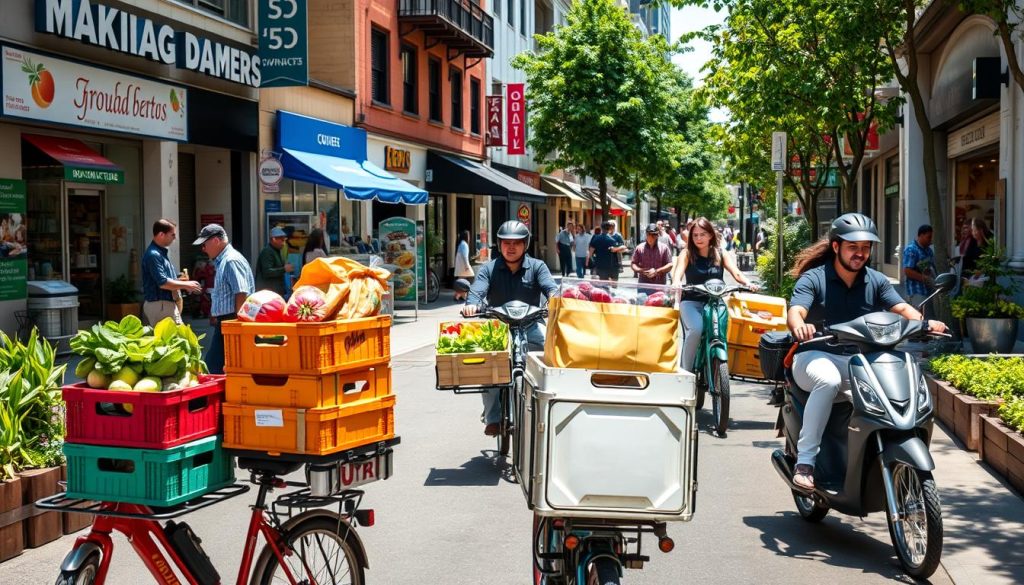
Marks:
<point>83,575</point>
<point>603,571</point>
<point>323,553</point>
<point>433,286</point>
<point>506,425</point>
<point>701,386</point>
<point>720,394</point>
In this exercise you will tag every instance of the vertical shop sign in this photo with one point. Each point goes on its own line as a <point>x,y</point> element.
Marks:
<point>13,240</point>
<point>494,134</point>
<point>284,49</point>
<point>400,245</point>
<point>516,119</point>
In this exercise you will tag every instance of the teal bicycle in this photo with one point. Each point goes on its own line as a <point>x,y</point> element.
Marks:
<point>711,364</point>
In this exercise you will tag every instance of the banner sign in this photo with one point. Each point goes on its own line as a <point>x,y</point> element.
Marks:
<point>284,48</point>
<point>494,135</point>
<point>39,87</point>
<point>516,119</point>
<point>13,240</point>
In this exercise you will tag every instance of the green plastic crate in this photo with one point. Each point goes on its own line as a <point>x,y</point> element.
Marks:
<point>147,476</point>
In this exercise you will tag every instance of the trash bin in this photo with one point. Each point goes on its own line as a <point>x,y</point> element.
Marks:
<point>53,308</point>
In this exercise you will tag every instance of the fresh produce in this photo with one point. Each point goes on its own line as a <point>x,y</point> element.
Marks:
<point>124,355</point>
<point>307,304</point>
<point>149,384</point>
<point>472,337</point>
<point>586,291</point>
<point>263,306</point>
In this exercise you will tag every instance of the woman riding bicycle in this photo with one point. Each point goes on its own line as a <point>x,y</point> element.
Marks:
<point>702,260</point>
<point>513,276</point>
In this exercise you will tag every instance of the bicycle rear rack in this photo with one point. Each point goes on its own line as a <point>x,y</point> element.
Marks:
<point>61,503</point>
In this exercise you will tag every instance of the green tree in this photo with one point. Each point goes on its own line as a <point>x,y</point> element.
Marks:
<point>597,95</point>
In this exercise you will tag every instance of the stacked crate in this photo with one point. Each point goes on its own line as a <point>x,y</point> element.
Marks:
<point>308,388</point>
<point>750,317</point>
<point>156,449</point>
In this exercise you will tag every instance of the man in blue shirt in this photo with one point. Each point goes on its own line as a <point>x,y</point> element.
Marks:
<point>160,283</point>
<point>231,285</point>
<point>919,265</point>
<point>605,249</point>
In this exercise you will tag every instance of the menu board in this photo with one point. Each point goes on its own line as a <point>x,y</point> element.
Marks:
<point>13,240</point>
<point>398,244</point>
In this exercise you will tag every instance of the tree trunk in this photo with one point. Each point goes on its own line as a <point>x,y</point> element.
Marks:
<point>657,198</point>
<point>602,189</point>
<point>1011,55</point>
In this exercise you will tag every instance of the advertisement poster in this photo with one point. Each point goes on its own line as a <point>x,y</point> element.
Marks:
<point>296,225</point>
<point>401,248</point>
<point>13,240</point>
<point>283,45</point>
<point>516,118</point>
<point>40,87</point>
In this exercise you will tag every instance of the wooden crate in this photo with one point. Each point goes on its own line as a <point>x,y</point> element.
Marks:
<point>12,537</point>
<point>47,526</point>
<point>491,368</point>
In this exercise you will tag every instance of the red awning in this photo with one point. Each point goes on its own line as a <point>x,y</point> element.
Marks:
<point>81,163</point>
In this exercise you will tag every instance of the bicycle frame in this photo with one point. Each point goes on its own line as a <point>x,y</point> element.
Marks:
<point>713,344</point>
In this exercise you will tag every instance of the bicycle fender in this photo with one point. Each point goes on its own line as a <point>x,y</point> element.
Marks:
<point>357,542</point>
<point>718,351</point>
<point>910,451</point>
<point>76,558</point>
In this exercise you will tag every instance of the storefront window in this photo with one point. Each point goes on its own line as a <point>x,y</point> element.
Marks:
<point>125,237</point>
<point>976,179</point>
<point>304,196</point>
<point>328,211</point>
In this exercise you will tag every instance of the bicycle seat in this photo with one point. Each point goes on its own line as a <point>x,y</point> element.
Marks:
<point>275,467</point>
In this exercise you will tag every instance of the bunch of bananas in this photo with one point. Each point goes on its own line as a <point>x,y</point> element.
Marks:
<point>364,294</point>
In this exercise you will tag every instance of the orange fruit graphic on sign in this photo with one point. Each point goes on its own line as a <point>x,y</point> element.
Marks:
<point>41,82</point>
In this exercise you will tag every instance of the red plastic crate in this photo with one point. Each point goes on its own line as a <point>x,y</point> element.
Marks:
<point>158,420</point>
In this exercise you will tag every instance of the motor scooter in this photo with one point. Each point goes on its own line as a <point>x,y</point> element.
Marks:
<point>874,452</point>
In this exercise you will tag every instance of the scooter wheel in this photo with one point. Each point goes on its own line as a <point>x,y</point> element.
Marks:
<point>917,533</point>
<point>810,509</point>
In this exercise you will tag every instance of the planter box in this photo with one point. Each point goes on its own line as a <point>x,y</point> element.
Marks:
<point>46,526</point>
<point>12,538</point>
<point>967,411</point>
<point>942,397</point>
<point>1003,450</point>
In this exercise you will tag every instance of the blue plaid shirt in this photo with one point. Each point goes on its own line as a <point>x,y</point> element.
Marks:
<point>921,259</point>
<point>234,275</point>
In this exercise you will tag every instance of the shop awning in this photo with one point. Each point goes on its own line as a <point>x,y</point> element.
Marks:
<point>615,202</point>
<point>360,180</point>
<point>454,174</point>
<point>81,163</point>
<point>555,186</point>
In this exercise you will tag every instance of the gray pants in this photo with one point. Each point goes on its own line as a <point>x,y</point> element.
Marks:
<point>692,313</point>
<point>492,406</point>
<point>824,375</point>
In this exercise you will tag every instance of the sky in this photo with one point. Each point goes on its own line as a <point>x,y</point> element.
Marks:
<point>687,20</point>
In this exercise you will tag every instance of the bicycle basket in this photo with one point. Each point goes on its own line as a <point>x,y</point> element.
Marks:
<point>772,350</point>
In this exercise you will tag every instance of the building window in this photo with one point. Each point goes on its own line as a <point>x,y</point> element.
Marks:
<point>497,8</point>
<point>379,66</point>
<point>522,17</point>
<point>236,11</point>
<point>474,105</point>
<point>409,95</point>
<point>455,76</point>
<point>434,75</point>
<point>511,13</point>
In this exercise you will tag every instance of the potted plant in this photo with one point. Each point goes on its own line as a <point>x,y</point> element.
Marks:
<point>122,298</point>
<point>986,305</point>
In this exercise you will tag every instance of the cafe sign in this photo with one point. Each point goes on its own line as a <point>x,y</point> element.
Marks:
<point>973,136</point>
<point>396,159</point>
<point>41,87</point>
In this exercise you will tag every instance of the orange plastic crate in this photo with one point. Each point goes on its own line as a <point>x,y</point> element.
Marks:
<point>306,348</point>
<point>308,391</point>
<point>314,431</point>
<point>745,361</point>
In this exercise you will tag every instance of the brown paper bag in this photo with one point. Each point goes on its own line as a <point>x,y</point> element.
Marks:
<point>609,336</point>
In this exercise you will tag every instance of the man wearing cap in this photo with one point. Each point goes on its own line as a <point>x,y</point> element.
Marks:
<point>231,285</point>
<point>160,282</point>
<point>270,266</point>
<point>652,260</point>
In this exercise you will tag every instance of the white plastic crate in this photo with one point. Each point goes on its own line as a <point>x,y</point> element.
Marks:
<point>608,445</point>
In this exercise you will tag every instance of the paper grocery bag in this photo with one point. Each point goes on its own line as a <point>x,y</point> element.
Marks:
<point>334,276</point>
<point>609,336</point>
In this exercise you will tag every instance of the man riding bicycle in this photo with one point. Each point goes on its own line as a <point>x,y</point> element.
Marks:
<point>513,276</point>
<point>834,286</point>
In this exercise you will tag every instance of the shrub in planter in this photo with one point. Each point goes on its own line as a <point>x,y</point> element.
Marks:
<point>989,300</point>
<point>982,384</point>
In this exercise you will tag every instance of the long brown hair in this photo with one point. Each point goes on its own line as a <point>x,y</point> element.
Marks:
<point>818,254</point>
<point>691,249</point>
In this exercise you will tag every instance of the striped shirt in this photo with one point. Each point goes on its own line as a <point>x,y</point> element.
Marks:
<point>234,275</point>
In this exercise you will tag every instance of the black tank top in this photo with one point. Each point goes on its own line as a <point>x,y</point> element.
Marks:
<point>700,269</point>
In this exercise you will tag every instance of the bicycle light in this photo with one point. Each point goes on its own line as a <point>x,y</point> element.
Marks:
<point>365,517</point>
<point>571,542</point>
<point>666,544</point>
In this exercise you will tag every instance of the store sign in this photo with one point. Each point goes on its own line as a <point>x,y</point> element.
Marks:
<point>317,136</point>
<point>271,171</point>
<point>284,48</point>
<point>530,178</point>
<point>396,159</point>
<point>974,136</point>
<point>871,141</point>
<point>13,240</point>
<point>123,31</point>
<point>40,87</point>
<point>494,135</point>
<point>516,118</point>
<point>524,213</point>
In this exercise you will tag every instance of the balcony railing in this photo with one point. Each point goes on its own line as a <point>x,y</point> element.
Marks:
<point>460,24</point>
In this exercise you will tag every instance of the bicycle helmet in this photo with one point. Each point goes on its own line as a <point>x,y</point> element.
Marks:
<point>514,230</point>
<point>854,227</point>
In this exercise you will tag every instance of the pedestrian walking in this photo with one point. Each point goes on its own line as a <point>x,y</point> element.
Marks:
<point>232,283</point>
<point>652,260</point>
<point>270,266</point>
<point>564,240</point>
<point>919,265</point>
<point>463,269</point>
<point>605,248</point>
<point>315,247</point>
<point>161,285</point>
<point>581,244</point>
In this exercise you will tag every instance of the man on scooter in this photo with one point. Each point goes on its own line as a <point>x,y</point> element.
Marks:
<point>834,286</point>
<point>513,276</point>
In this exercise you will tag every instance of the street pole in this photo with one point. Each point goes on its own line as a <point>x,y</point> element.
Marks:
<point>778,225</point>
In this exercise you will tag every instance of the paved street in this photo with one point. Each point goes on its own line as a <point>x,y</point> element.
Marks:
<point>450,516</point>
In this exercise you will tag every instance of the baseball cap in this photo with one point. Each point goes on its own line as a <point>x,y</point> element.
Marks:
<point>652,228</point>
<point>278,233</point>
<point>211,231</point>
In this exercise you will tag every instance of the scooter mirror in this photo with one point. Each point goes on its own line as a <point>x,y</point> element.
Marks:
<point>945,282</point>
<point>461,285</point>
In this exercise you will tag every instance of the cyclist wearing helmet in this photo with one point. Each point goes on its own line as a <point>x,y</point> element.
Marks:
<point>512,276</point>
<point>834,285</point>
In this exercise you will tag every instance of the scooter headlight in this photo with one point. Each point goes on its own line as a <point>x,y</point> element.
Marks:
<point>868,397</point>
<point>924,397</point>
